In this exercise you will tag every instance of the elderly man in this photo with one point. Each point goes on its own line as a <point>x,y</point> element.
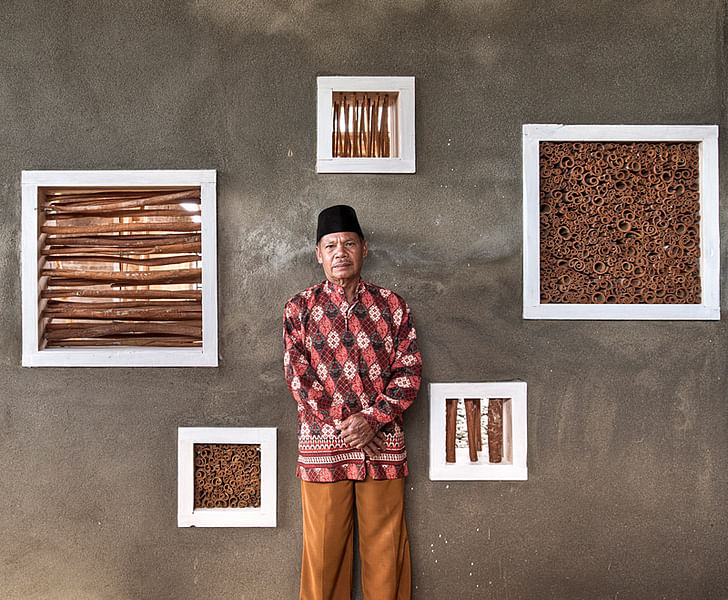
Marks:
<point>352,364</point>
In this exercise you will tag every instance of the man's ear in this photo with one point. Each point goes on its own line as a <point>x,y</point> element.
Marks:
<point>365,250</point>
<point>318,254</point>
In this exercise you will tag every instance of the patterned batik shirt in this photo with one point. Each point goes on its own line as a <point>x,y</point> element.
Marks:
<point>350,357</point>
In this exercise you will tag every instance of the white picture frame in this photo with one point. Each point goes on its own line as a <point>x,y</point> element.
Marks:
<point>707,138</point>
<point>404,133</point>
<point>515,437</point>
<point>262,516</point>
<point>105,356</point>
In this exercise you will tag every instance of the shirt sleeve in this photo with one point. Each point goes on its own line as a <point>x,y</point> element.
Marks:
<point>404,381</point>
<point>301,377</point>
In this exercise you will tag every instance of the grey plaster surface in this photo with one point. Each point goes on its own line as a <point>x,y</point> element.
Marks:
<point>627,420</point>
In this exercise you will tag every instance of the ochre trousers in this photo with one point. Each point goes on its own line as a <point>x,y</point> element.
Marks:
<point>328,540</point>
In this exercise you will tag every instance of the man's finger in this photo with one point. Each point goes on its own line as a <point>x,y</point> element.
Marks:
<point>372,450</point>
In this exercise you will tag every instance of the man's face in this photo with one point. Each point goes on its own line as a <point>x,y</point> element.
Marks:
<point>342,255</point>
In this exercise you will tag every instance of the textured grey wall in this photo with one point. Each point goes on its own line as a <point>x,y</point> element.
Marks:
<point>627,420</point>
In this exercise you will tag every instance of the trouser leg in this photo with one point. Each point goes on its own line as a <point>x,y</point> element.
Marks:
<point>383,542</point>
<point>326,566</point>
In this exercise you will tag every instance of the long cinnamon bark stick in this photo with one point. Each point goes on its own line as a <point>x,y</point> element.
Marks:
<point>91,303</point>
<point>346,128</point>
<point>478,430</point>
<point>451,416</point>
<point>114,251</point>
<point>137,314</point>
<point>174,198</point>
<point>129,341</point>
<point>495,429</point>
<point>112,293</point>
<point>130,277</point>
<point>72,198</point>
<point>75,194</point>
<point>117,214</point>
<point>355,129</point>
<point>473,426</point>
<point>142,276</point>
<point>125,240</point>
<point>148,262</point>
<point>121,227</point>
<point>384,143</point>
<point>375,127</point>
<point>82,330</point>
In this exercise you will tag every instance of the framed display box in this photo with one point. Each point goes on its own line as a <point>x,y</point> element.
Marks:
<point>481,458</point>
<point>365,125</point>
<point>119,268</point>
<point>620,222</point>
<point>226,477</point>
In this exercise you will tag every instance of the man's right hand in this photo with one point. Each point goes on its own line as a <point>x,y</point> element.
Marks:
<point>356,431</point>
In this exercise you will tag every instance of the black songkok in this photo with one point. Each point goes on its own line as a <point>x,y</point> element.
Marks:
<point>336,219</point>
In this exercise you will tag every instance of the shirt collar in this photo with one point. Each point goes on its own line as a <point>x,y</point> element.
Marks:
<point>337,290</point>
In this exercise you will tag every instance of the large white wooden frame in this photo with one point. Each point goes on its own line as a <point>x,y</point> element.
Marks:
<point>405,125</point>
<point>206,356</point>
<point>707,137</point>
<point>515,443</point>
<point>262,516</point>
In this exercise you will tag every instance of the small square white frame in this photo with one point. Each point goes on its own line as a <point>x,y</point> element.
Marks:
<point>206,356</point>
<point>514,440</point>
<point>405,125</point>
<point>707,137</point>
<point>262,516</point>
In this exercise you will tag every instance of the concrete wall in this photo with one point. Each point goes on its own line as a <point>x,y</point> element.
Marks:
<point>627,420</point>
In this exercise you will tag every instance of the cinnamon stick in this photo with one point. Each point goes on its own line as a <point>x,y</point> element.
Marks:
<point>126,240</point>
<point>91,303</point>
<point>148,262</point>
<point>451,416</point>
<point>174,198</point>
<point>473,426</point>
<point>129,341</point>
<point>113,293</point>
<point>130,277</point>
<point>137,314</point>
<point>57,331</point>
<point>495,429</point>
<point>117,214</point>
<point>114,251</point>
<point>121,227</point>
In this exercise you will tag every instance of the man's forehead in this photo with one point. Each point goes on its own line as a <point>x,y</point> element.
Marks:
<point>343,235</point>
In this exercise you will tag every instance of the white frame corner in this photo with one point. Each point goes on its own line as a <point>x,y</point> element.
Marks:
<point>516,438</point>
<point>262,516</point>
<point>404,163</point>
<point>707,137</point>
<point>32,356</point>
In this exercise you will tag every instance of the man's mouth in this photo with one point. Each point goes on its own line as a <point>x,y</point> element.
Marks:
<point>342,265</point>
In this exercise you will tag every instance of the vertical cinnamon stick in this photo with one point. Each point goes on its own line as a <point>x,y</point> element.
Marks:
<point>451,415</point>
<point>347,146</point>
<point>473,426</point>
<point>479,432</point>
<point>335,131</point>
<point>495,429</point>
<point>355,128</point>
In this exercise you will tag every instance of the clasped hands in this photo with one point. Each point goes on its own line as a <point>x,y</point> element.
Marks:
<point>357,433</point>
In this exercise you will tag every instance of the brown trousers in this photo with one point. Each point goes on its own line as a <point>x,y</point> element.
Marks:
<point>328,540</point>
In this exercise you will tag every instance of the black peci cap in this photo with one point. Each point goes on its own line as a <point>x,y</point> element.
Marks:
<point>335,219</point>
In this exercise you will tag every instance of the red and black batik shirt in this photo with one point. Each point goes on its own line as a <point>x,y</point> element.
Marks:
<point>350,357</point>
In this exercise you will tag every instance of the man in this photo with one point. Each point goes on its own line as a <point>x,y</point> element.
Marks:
<point>352,364</point>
